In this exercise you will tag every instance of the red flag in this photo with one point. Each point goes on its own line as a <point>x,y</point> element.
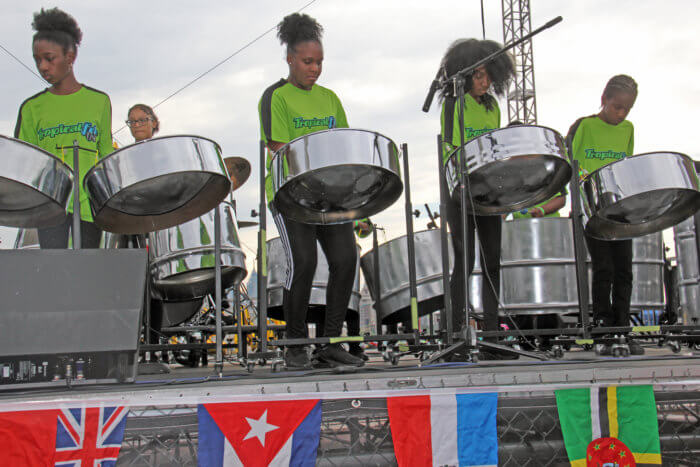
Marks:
<point>28,437</point>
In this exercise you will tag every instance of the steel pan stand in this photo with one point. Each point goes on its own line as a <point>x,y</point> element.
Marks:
<point>580,252</point>
<point>77,245</point>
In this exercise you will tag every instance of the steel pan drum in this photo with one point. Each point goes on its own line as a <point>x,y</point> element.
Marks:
<point>277,275</point>
<point>336,176</point>
<point>157,184</point>
<point>688,257</point>
<point>35,185</point>
<point>182,257</point>
<point>640,194</point>
<point>511,168</point>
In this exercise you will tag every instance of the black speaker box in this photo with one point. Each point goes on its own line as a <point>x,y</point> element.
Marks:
<point>70,316</point>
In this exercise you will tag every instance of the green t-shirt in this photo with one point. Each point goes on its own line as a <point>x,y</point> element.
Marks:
<point>288,112</point>
<point>48,120</point>
<point>477,121</point>
<point>595,143</point>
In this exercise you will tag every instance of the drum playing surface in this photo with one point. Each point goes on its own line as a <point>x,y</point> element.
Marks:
<point>35,186</point>
<point>336,176</point>
<point>157,184</point>
<point>511,169</point>
<point>639,195</point>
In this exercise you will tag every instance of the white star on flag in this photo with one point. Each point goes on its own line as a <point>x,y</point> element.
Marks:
<point>259,427</point>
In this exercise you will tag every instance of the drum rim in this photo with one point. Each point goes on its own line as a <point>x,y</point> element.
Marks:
<point>495,130</point>
<point>299,138</point>
<point>633,156</point>
<point>41,150</point>
<point>117,152</point>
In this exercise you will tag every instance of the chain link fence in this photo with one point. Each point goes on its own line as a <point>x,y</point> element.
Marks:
<point>356,432</point>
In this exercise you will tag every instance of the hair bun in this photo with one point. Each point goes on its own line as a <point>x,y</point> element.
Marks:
<point>50,23</point>
<point>296,28</point>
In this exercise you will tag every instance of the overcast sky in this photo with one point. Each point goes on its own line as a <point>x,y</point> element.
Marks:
<point>380,56</point>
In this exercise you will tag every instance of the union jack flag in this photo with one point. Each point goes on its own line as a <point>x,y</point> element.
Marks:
<point>89,437</point>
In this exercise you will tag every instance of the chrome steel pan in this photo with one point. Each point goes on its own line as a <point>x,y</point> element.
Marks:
<point>511,168</point>
<point>335,176</point>
<point>639,195</point>
<point>688,257</point>
<point>277,275</point>
<point>35,185</point>
<point>182,257</point>
<point>157,184</point>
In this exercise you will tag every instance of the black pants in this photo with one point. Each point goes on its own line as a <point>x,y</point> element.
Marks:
<point>56,237</point>
<point>612,275</point>
<point>299,241</point>
<point>489,230</point>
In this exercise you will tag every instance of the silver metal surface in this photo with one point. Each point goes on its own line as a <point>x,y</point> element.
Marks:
<point>336,176</point>
<point>640,194</point>
<point>182,257</point>
<point>26,239</point>
<point>688,258</point>
<point>277,276</point>
<point>157,184</point>
<point>35,185</point>
<point>511,168</point>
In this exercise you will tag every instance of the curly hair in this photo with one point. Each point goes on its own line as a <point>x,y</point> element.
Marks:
<point>620,83</point>
<point>464,52</point>
<point>57,26</point>
<point>148,110</point>
<point>297,28</point>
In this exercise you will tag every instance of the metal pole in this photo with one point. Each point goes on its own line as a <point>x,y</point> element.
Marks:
<point>464,183</point>
<point>219,364</point>
<point>446,313</point>
<point>579,249</point>
<point>377,288</point>
<point>242,347</point>
<point>76,196</point>
<point>262,257</point>
<point>410,243</point>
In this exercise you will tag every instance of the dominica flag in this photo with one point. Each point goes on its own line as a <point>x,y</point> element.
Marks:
<point>615,425</point>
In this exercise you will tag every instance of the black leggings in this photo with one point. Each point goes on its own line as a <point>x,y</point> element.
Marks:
<point>489,230</point>
<point>612,280</point>
<point>299,241</point>
<point>56,237</point>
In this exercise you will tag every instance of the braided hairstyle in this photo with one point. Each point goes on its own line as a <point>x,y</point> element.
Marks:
<point>620,83</point>
<point>297,28</point>
<point>465,52</point>
<point>57,26</point>
<point>148,110</point>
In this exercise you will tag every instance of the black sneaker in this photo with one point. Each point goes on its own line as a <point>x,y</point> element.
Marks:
<point>603,349</point>
<point>336,355</point>
<point>296,358</point>
<point>635,348</point>
<point>356,351</point>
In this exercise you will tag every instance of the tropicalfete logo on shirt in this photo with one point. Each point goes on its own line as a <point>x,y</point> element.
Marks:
<point>87,129</point>
<point>602,155</point>
<point>470,133</point>
<point>301,122</point>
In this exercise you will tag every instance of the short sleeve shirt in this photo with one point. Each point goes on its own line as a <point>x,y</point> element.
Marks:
<point>595,143</point>
<point>477,121</point>
<point>288,112</point>
<point>51,121</point>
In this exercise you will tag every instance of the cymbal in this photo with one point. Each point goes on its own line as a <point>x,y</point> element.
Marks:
<point>244,224</point>
<point>238,170</point>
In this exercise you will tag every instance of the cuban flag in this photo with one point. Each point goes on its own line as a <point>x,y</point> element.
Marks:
<point>444,429</point>
<point>259,433</point>
<point>89,436</point>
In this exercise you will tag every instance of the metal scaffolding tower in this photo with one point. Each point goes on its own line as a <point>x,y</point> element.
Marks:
<point>522,104</point>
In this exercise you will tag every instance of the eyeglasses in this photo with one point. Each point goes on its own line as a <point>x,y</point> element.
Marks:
<point>139,122</point>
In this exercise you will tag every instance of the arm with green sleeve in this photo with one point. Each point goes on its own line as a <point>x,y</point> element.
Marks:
<point>104,145</point>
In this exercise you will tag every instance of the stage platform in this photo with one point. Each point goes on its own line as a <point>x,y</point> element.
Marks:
<point>162,424</point>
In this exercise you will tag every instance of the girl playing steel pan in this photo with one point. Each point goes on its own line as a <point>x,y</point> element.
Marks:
<point>595,142</point>
<point>283,109</point>
<point>481,114</point>
<point>64,112</point>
